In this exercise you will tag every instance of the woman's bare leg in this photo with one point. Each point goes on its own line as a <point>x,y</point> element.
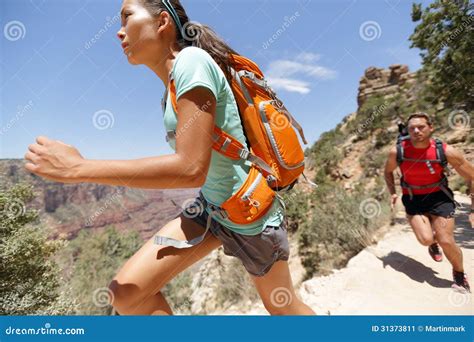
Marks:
<point>277,293</point>
<point>136,287</point>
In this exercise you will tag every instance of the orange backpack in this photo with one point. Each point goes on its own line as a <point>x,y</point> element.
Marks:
<point>268,126</point>
<point>275,152</point>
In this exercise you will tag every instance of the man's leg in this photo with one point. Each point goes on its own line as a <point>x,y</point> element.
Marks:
<point>422,228</point>
<point>444,228</point>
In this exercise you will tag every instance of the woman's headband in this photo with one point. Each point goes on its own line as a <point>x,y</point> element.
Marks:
<point>173,14</point>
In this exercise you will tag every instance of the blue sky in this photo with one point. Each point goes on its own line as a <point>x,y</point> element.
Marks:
<point>56,81</point>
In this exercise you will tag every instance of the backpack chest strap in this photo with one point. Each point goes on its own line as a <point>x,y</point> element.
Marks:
<point>224,143</point>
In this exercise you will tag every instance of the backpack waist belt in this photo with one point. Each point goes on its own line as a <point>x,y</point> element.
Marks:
<point>442,184</point>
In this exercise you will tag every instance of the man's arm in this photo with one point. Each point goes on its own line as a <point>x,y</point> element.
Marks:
<point>464,168</point>
<point>390,167</point>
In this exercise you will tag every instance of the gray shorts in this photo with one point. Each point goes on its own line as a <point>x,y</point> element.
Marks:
<point>258,252</point>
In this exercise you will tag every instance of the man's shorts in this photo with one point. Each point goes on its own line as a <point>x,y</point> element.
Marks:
<point>436,203</point>
<point>258,252</point>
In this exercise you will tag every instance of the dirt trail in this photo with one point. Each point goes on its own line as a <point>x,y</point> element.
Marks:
<point>396,277</point>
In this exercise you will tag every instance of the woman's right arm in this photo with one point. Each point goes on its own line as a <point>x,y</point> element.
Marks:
<point>186,168</point>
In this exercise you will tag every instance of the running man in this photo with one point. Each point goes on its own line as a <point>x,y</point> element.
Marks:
<point>428,201</point>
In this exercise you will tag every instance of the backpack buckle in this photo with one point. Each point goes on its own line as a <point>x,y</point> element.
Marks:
<point>244,154</point>
<point>218,211</point>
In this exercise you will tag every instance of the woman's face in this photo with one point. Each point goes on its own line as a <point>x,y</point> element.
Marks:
<point>139,33</point>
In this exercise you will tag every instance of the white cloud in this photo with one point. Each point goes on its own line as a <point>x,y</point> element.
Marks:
<point>308,57</point>
<point>283,73</point>
<point>288,84</point>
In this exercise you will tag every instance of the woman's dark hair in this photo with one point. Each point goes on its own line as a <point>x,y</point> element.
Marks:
<point>194,34</point>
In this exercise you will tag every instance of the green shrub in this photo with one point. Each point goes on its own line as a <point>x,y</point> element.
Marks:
<point>30,279</point>
<point>338,229</point>
<point>91,261</point>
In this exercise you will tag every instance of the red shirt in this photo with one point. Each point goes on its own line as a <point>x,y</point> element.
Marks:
<point>420,173</point>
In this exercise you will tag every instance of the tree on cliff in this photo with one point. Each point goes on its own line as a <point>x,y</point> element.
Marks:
<point>29,277</point>
<point>445,36</point>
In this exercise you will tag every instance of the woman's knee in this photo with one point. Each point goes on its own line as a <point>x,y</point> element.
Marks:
<point>282,309</point>
<point>280,301</point>
<point>125,297</point>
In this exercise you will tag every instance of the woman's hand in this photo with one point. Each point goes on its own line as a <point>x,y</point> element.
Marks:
<point>54,160</point>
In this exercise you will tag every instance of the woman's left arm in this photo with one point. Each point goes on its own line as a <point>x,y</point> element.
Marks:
<point>187,168</point>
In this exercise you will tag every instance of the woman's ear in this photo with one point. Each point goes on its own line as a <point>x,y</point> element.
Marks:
<point>162,21</point>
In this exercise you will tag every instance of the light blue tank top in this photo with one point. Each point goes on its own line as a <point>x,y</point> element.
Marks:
<point>194,67</point>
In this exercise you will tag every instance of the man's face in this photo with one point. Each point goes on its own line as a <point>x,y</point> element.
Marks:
<point>419,129</point>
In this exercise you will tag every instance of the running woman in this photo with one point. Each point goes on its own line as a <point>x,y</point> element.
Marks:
<point>154,33</point>
<point>428,201</point>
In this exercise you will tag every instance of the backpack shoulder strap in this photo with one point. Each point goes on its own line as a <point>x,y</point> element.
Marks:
<point>440,153</point>
<point>400,151</point>
<point>225,143</point>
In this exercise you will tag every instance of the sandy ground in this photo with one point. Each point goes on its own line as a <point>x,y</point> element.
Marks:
<point>396,277</point>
